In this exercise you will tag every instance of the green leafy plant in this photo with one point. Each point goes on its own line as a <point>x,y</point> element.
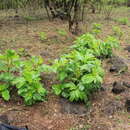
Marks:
<point>43,36</point>
<point>9,63</point>
<point>28,83</point>
<point>24,75</point>
<point>80,74</point>
<point>123,21</point>
<point>62,32</point>
<point>98,47</point>
<point>117,32</point>
<point>23,52</point>
<point>107,46</point>
<point>96,29</point>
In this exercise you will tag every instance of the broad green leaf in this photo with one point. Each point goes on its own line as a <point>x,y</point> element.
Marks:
<point>6,77</point>
<point>6,95</point>
<point>41,90</point>
<point>62,75</point>
<point>74,95</point>
<point>87,79</point>
<point>81,86</point>
<point>65,94</point>
<point>37,97</point>
<point>19,82</point>
<point>3,87</point>
<point>57,89</point>
<point>46,68</point>
<point>70,86</point>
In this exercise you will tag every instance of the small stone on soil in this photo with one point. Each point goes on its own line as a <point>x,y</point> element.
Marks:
<point>118,64</point>
<point>118,87</point>
<point>112,107</point>
<point>103,88</point>
<point>127,84</point>
<point>127,104</point>
<point>127,48</point>
<point>113,69</point>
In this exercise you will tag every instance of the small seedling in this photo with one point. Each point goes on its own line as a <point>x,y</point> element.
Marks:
<point>117,32</point>
<point>62,32</point>
<point>30,18</point>
<point>96,29</point>
<point>43,36</point>
<point>87,127</point>
<point>120,121</point>
<point>118,98</point>
<point>23,52</point>
<point>123,21</point>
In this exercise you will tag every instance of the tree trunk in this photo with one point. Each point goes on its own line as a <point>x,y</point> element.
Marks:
<point>74,21</point>
<point>128,3</point>
<point>66,10</point>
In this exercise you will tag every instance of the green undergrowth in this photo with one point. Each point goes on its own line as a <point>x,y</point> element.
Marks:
<point>23,75</point>
<point>80,72</point>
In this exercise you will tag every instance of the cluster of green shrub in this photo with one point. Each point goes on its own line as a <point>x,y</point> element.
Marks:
<point>23,75</point>
<point>98,47</point>
<point>79,72</point>
<point>117,32</point>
